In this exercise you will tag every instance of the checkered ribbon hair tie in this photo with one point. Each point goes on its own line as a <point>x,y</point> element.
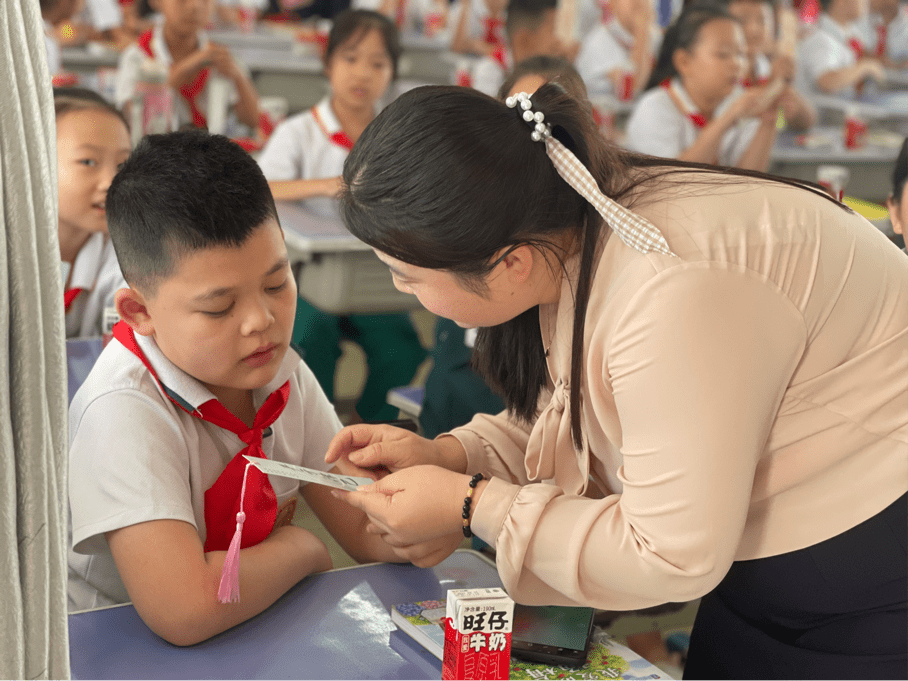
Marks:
<point>634,230</point>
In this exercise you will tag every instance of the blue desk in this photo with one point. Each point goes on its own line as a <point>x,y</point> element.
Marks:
<point>81,355</point>
<point>334,625</point>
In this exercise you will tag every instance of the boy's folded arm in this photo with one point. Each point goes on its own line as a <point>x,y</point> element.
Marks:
<point>173,583</point>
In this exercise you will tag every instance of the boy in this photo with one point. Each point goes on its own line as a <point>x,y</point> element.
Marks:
<point>885,32</point>
<point>54,12</point>
<point>530,28</point>
<point>624,47</point>
<point>198,374</point>
<point>180,44</point>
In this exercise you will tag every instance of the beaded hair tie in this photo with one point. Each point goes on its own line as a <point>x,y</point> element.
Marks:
<point>634,230</point>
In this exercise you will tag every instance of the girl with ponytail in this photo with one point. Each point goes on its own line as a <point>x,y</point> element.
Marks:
<point>700,402</point>
<point>694,108</point>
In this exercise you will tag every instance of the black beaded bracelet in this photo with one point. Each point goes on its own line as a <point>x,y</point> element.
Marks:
<point>467,502</point>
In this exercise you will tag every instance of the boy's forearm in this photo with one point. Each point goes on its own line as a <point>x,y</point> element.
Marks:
<point>756,157</point>
<point>176,595</point>
<point>247,107</point>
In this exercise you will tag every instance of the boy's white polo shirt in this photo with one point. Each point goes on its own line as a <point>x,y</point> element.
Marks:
<point>102,14</point>
<point>54,59</point>
<point>97,272</point>
<point>606,48</point>
<point>135,456</point>
<point>300,148</point>
<point>130,66</point>
<point>490,72</point>
<point>658,127</point>
<point>824,50</point>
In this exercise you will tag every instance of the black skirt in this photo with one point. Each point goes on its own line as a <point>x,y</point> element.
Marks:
<point>835,610</point>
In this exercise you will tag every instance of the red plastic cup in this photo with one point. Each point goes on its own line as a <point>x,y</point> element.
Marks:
<point>855,132</point>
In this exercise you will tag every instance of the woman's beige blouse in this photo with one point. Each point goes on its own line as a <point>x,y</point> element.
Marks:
<point>746,399</point>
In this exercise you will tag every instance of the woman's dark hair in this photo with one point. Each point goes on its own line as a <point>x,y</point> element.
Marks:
<point>448,178</point>
<point>900,173</point>
<point>555,69</point>
<point>68,99</point>
<point>355,24</point>
<point>683,35</point>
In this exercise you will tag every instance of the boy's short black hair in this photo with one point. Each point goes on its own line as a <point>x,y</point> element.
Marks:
<point>556,69</point>
<point>178,193</point>
<point>527,14</point>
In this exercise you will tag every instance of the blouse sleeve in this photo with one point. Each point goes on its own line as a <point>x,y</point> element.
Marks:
<point>698,365</point>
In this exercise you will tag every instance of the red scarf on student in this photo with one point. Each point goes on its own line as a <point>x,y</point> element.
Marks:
<point>189,92</point>
<point>493,28</point>
<point>340,138</point>
<point>697,119</point>
<point>222,499</point>
<point>882,34</point>
<point>69,295</point>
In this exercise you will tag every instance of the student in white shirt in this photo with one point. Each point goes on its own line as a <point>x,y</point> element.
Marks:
<point>766,62</point>
<point>624,47</point>
<point>530,28</point>
<point>182,46</point>
<point>694,108</point>
<point>92,143</point>
<point>199,374</point>
<point>833,59</point>
<point>478,26</point>
<point>885,32</point>
<point>303,160</point>
<point>54,12</point>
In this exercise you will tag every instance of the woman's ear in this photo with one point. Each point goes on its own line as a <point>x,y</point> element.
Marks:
<point>518,262</point>
<point>893,208</point>
<point>133,310</point>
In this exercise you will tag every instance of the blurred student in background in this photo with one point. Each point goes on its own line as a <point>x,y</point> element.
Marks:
<point>530,28</point>
<point>54,12</point>
<point>767,63</point>
<point>834,59</point>
<point>180,44</point>
<point>897,203</point>
<point>478,26</point>
<point>616,57</point>
<point>885,32</point>
<point>694,108</point>
<point>303,160</point>
<point>92,144</point>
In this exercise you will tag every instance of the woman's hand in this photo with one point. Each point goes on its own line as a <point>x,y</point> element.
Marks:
<point>417,511</point>
<point>374,450</point>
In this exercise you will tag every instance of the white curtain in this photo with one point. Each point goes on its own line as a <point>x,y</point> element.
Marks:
<point>33,444</point>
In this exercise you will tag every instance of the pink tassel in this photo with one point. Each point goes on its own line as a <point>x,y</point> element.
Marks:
<point>229,590</point>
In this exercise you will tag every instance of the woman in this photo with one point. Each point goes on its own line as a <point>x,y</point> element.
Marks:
<point>706,396</point>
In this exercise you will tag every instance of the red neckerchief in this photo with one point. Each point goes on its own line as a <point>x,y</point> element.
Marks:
<point>500,56</point>
<point>857,47</point>
<point>189,92</point>
<point>605,9</point>
<point>749,82</point>
<point>400,14</point>
<point>809,11</point>
<point>339,138</point>
<point>222,499</point>
<point>69,295</point>
<point>882,34</point>
<point>697,119</point>
<point>493,31</point>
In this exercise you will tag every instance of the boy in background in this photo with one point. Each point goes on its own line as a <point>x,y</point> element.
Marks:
<point>54,12</point>
<point>199,374</point>
<point>181,45</point>
<point>530,28</point>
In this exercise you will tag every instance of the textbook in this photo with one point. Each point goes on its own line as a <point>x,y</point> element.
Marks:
<point>607,659</point>
<point>424,622</point>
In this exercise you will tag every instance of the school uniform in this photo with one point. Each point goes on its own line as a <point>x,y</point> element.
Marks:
<point>490,72</point>
<point>745,422</point>
<point>479,23</point>
<point>886,40</point>
<point>761,71</point>
<point>94,279</point>
<point>191,100</point>
<point>54,59</point>
<point>828,48</point>
<point>308,146</point>
<point>657,126</point>
<point>606,48</point>
<point>102,15</point>
<point>137,456</point>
